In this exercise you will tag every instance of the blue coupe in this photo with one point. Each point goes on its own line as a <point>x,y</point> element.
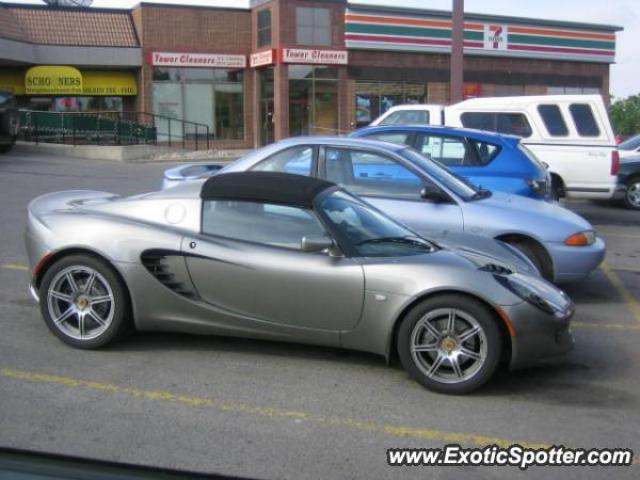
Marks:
<point>492,161</point>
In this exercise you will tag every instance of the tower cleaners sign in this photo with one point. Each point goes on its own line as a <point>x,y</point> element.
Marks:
<point>314,56</point>
<point>202,60</point>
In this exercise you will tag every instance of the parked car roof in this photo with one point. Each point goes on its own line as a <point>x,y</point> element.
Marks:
<point>445,130</point>
<point>335,140</point>
<point>269,187</point>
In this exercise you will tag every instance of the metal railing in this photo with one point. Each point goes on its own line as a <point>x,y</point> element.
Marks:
<point>113,128</point>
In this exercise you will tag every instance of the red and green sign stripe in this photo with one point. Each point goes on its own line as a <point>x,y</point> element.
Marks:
<point>401,31</point>
<point>380,31</point>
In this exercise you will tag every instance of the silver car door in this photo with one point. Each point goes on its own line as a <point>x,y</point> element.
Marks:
<point>262,273</point>
<point>392,186</point>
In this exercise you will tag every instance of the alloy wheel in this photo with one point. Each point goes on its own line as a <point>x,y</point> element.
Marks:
<point>448,345</point>
<point>80,302</point>
<point>633,194</point>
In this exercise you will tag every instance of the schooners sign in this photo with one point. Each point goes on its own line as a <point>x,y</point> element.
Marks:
<point>201,60</point>
<point>314,56</point>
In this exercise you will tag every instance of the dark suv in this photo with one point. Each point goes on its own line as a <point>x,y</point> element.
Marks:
<point>9,121</point>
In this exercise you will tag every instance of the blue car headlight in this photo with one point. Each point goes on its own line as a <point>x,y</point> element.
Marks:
<point>539,293</point>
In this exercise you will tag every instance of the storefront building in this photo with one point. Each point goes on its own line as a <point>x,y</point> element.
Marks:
<point>68,59</point>
<point>284,67</point>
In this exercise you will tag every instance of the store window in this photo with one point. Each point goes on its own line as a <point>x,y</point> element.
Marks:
<point>573,91</point>
<point>76,104</point>
<point>313,100</point>
<point>375,98</point>
<point>508,90</point>
<point>264,27</point>
<point>212,97</point>
<point>313,26</point>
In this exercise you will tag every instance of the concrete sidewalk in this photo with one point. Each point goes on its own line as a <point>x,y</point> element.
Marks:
<point>128,153</point>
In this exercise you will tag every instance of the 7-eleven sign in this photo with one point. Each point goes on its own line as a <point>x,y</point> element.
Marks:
<point>495,37</point>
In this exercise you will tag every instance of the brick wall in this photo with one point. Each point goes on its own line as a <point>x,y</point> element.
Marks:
<point>194,29</point>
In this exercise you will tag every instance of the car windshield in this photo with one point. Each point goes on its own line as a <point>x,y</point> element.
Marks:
<point>368,231</point>
<point>439,172</point>
<point>630,144</point>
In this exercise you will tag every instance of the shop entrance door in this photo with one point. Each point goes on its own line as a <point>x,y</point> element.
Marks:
<point>266,116</point>
<point>267,113</point>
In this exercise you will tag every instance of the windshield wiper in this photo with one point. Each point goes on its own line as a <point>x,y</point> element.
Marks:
<point>408,240</point>
<point>480,194</point>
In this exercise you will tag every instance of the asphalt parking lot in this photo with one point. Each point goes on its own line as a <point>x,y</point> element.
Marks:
<point>273,410</point>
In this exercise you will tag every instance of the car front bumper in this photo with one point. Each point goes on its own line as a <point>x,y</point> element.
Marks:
<point>539,337</point>
<point>571,264</point>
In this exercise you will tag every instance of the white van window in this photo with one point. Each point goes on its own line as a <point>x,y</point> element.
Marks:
<point>584,119</point>
<point>553,121</point>
<point>509,123</point>
<point>420,117</point>
<point>391,137</point>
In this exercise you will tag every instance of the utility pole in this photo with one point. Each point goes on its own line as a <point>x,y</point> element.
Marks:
<point>457,52</point>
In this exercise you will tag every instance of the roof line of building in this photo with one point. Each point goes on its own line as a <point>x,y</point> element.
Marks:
<point>485,17</point>
<point>351,6</point>
<point>43,6</point>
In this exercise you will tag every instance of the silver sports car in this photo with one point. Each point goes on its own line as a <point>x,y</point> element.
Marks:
<point>287,257</point>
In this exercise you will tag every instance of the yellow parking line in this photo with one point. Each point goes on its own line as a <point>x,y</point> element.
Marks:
<point>14,266</point>
<point>629,299</point>
<point>267,412</point>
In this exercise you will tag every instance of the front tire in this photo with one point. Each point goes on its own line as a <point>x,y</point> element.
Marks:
<point>632,194</point>
<point>450,344</point>
<point>83,302</point>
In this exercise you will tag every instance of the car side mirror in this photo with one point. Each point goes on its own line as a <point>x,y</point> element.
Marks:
<point>433,194</point>
<point>316,243</point>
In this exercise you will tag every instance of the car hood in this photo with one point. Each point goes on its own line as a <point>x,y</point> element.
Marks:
<point>485,251</point>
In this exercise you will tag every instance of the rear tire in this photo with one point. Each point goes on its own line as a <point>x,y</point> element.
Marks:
<point>632,194</point>
<point>557,189</point>
<point>84,302</point>
<point>450,344</point>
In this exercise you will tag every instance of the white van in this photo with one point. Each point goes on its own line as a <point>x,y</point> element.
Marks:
<point>570,133</point>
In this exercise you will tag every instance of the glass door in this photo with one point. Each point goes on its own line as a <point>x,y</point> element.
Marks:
<point>266,106</point>
<point>199,108</point>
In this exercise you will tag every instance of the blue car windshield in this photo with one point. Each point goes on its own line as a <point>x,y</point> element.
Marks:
<point>439,172</point>
<point>370,232</point>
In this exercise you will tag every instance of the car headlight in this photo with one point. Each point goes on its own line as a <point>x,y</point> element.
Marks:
<point>581,239</point>
<point>539,293</point>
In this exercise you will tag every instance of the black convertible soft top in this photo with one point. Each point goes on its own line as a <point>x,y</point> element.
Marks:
<point>268,187</point>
